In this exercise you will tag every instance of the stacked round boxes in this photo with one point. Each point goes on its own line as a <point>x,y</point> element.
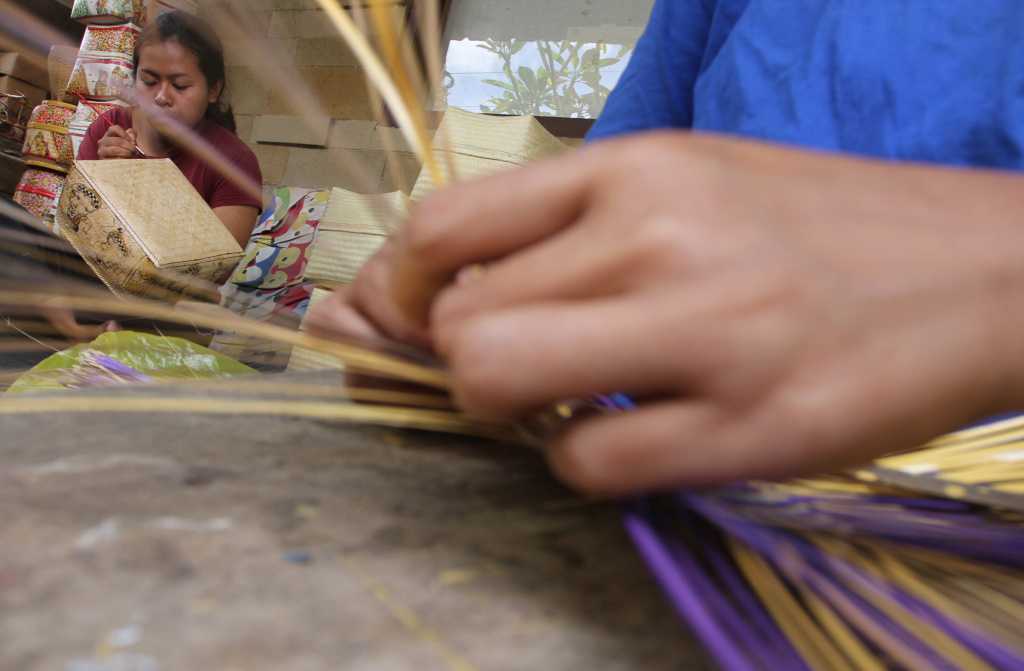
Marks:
<point>56,128</point>
<point>103,69</point>
<point>49,155</point>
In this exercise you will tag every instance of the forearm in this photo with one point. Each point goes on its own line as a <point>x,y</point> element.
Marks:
<point>239,220</point>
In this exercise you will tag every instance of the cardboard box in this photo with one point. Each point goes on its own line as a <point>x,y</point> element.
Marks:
<point>24,68</point>
<point>143,229</point>
<point>33,94</point>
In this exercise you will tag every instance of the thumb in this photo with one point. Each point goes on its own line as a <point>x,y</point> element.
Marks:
<point>132,137</point>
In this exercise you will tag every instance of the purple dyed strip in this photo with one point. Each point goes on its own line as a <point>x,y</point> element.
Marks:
<point>764,631</point>
<point>738,587</point>
<point>767,542</point>
<point>991,649</point>
<point>724,615</point>
<point>682,595</point>
<point>968,534</point>
<point>114,366</point>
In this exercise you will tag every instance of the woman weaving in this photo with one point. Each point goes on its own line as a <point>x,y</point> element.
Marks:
<point>179,68</point>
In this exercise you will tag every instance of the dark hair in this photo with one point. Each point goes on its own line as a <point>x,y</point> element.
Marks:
<point>198,37</point>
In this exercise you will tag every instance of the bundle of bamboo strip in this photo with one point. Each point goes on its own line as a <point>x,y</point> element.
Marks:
<point>914,561</point>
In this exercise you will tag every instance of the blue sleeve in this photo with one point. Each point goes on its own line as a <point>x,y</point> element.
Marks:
<point>656,90</point>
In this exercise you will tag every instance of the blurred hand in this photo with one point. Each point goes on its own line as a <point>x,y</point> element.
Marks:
<point>64,322</point>
<point>365,309</point>
<point>775,312</point>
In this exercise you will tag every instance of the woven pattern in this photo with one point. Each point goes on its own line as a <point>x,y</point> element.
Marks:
<point>307,359</point>
<point>164,212</point>
<point>129,218</point>
<point>353,229</point>
<point>60,64</point>
<point>483,145</point>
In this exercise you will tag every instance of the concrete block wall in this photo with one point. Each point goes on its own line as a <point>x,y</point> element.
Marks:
<point>297,30</point>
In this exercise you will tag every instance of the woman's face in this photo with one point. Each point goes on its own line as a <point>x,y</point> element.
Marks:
<point>169,77</point>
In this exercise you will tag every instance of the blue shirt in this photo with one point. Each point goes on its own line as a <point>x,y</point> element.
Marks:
<point>938,81</point>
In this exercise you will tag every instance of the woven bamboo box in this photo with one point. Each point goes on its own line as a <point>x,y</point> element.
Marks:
<point>134,220</point>
<point>353,228</point>
<point>481,144</point>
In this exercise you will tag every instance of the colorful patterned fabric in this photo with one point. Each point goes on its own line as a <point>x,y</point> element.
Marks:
<point>278,249</point>
<point>262,304</point>
<point>269,283</point>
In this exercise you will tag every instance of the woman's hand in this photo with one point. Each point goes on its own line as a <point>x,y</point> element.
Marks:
<point>117,143</point>
<point>773,311</point>
<point>64,322</point>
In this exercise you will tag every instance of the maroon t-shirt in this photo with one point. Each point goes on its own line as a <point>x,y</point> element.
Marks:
<point>211,185</point>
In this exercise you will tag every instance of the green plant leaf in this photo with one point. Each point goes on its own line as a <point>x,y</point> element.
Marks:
<point>500,84</point>
<point>527,77</point>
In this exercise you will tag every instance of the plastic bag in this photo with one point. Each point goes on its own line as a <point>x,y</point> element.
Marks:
<point>142,357</point>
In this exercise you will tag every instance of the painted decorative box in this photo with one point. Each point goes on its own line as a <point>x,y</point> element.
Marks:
<point>143,228</point>
<point>109,11</point>
<point>38,192</point>
<point>104,65</point>
<point>47,142</point>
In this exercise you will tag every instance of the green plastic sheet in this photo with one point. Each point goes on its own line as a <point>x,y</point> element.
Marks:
<point>159,357</point>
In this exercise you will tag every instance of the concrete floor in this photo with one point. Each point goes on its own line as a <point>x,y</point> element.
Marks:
<point>160,541</point>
